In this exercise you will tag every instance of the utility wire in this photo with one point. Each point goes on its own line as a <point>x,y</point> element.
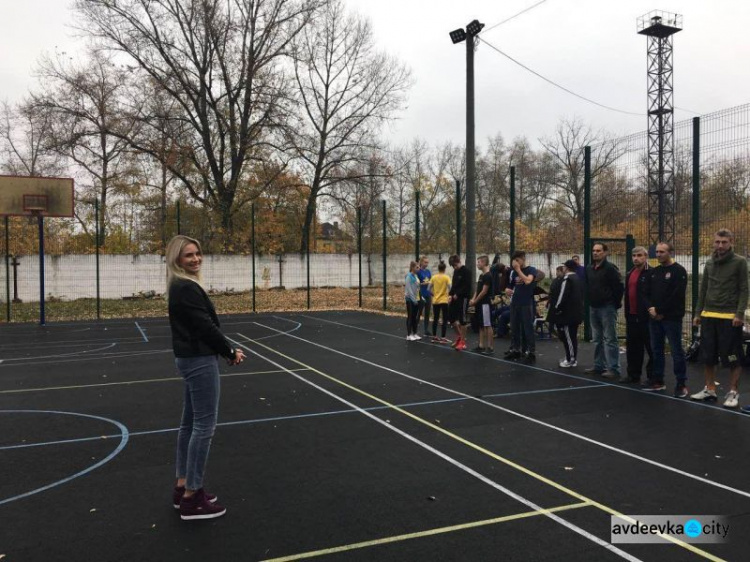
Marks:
<point>571,92</point>
<point>515,16</point>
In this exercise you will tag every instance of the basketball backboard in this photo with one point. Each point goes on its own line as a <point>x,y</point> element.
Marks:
<point>27,196</point>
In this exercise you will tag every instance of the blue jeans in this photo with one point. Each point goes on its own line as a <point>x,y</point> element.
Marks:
<point>199,414</point>
<point>672,330</point>
<point>522,328</point>
<point>604,336</point>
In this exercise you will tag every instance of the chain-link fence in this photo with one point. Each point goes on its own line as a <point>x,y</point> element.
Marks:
<point>551,211</point>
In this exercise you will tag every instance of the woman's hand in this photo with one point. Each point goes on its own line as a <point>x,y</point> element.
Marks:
<point>239,357</point>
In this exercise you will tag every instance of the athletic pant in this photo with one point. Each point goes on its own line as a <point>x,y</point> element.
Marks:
<point>638,340</point>
<point>412,317</point>
<point>440,309</point>
<point>522,327</point>
<point>568,334</point>
<point>424,308</point>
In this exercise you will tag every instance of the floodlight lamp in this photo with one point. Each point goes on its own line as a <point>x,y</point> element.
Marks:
<point>474,27</point>
<point>457,35</point>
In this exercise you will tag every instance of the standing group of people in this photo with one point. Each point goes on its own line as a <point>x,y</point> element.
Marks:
<point>654,309</point>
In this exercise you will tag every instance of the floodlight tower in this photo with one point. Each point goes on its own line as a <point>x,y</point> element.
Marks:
<point>659,27</point>
<point>469,35</point>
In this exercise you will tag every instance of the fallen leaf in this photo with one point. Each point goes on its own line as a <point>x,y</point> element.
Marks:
<point>92,510</point>
<point>153,526</point>
<point>569,467</point>
<point>431,498</point>
<point>718,456</point>
<point>262,398</point>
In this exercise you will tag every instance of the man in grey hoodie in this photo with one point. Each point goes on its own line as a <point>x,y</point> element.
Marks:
<point>720,312</point>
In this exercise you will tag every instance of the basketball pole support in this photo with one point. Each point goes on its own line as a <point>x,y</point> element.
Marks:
<point>40,221</point>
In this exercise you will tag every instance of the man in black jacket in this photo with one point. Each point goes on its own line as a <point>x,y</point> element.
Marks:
<point>605,291</point>
<point>566,312</point>
<point>666,294</point>
<point>638,337</point>
<point>459,294</point>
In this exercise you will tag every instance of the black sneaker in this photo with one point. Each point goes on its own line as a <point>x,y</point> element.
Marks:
<point>180,491</point>
<point>198,507</point>
<point>594,371</point>
<point>654,387</point>
<point>512,354</point>
<point>528,359</point>
<point>488,351</point>
<point>478,349</point>
<point>627,379</point>
<point>681,391</point>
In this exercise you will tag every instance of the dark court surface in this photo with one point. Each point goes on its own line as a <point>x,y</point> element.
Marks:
<point>339,440</point>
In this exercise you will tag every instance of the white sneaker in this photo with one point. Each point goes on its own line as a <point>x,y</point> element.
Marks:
<point>704,394</point>
<point>416,337</point>
<point>409,338</point>
<point>568,364</point>
<point>732,399</point>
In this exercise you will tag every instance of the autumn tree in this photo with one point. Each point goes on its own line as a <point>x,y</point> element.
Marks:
<point>346,90</point>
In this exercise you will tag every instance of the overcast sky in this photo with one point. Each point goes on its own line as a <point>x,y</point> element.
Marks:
<point>588,46</point>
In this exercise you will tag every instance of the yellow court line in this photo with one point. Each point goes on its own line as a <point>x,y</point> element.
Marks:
<point>692,548</point>
<point>101,384</point>
<point>427,533</point>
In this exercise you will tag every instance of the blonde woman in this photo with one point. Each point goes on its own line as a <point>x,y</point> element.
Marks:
<point>197,342</point>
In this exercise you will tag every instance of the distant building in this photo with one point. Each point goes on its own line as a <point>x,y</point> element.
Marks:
<point>332,240</point>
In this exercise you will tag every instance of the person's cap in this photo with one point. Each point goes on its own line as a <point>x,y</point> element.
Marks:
<point>570,264</point>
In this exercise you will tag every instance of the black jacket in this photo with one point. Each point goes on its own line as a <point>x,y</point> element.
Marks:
<point>642,299</point>
<point>195,326</point>
<point>461,285</point>
<point>604,285</point>
<point>566,301</point>
<point>666,291</point>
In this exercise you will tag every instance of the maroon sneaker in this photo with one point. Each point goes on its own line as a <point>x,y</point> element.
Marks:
<point>180,490</point>
<point>198,507</point>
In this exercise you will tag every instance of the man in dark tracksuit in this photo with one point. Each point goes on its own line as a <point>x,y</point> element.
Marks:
<point>605,297</point>
<point>566,312</point>
<point>637,333</point>
<point>460,292</point>
<point>666,295</point>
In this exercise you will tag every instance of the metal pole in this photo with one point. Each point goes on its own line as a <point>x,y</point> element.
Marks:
<point>696,215</point>
<point>252,220</point>
<point>385,270</point>
<point>40,221</point>
<point>416,227</point>
<point>7,269</point>
<point>307,250</point>
<point>586,234</point>
<point>629,245</point>
<point>359,251</point>
<point>98,271</point>
<point>512,247</point>
<point>458,217</point>
<point>471,231</point>
<point>179,225</point>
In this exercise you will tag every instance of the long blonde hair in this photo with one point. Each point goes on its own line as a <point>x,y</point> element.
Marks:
<point>172,257</point>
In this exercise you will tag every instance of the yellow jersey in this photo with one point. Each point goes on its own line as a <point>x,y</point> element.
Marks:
<point>441,284</point>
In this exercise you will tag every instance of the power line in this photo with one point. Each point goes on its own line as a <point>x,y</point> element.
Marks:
<point>515,16</point>
<point>571,92</point>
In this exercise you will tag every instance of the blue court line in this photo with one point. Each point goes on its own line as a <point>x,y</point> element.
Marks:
<point>141,331</point>
<point>124,437</point>
<point>299,416</point>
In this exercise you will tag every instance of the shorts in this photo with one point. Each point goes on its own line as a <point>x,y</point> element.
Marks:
<point>720,341</point>
<point>457,310</point>
<point>486,315</point>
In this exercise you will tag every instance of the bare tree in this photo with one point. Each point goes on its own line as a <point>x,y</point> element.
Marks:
<point>83,104</point>
<point>24,141</point>
<point>567,149</point>
<point>220,61</point>
<point>346,90</point>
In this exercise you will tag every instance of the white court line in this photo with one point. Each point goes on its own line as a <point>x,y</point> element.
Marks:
<point>131,382</point>
<point>142,332</point>
<point>34,357</point>
<point>101,357</point>
<point>530,419</point>
<point>451,460</point>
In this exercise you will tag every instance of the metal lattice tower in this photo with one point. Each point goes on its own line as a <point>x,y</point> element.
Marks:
<point>659,27</point>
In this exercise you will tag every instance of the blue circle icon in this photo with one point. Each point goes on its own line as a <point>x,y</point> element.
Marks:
<point>693,528</point>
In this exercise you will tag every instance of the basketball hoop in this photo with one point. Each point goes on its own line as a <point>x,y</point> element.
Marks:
<point>35,205</point>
